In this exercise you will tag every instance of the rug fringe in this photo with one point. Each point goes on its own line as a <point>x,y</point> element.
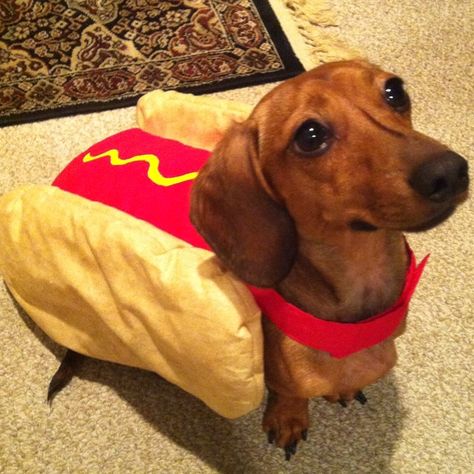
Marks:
<point>303,22</point>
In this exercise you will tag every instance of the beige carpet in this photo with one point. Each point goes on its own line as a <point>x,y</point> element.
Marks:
<point>418,420</point>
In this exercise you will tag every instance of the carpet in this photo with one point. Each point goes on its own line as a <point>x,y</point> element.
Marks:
<point>418,420</point>
<point>61,57</point>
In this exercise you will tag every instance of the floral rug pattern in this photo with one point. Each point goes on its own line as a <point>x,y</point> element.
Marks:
<point>60,57</point>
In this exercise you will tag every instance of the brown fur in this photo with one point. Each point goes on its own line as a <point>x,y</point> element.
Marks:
<point>283,221</point>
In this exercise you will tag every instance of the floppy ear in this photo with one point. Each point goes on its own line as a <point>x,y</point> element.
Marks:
<point>252,234</point>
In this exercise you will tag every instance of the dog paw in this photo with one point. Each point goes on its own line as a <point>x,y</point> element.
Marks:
<point>287,439</point>
<point>286,425</point>
<point>343,399</point>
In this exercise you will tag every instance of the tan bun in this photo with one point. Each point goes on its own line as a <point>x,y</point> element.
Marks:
<point>113,287</point>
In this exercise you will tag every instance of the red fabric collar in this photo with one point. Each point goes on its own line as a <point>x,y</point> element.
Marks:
<point>339,339</point>
<point>120,174</point>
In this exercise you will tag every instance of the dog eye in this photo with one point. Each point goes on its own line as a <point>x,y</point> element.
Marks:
<point>395,94</point>
<point>312,138</point>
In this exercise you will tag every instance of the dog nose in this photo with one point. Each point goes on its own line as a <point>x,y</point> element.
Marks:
<point>441,178</point>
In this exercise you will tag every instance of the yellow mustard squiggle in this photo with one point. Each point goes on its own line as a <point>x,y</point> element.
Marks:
<point>153,167</point>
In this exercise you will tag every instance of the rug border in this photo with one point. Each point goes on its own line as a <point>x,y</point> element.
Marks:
<point>291,62</point>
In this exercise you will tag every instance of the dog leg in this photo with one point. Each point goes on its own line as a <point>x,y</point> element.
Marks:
<point>64,374</point>
<point>286,421</point>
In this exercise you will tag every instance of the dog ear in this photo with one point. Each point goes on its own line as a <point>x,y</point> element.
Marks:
<point>251,233</point>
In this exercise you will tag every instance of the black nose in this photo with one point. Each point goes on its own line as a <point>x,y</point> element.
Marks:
<point>441,178</point>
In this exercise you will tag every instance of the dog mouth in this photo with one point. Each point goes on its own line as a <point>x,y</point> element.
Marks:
<point>433,221</point>
<point>364,226</point>
<point>446,211</point>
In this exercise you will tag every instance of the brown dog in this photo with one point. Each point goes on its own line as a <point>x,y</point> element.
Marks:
<point>310,196</point>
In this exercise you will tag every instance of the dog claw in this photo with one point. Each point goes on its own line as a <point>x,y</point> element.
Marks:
<point>290,450</point>
<point>361,398</point>
<point>343,403</point>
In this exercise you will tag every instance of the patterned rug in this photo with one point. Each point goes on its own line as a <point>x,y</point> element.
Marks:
<point>61,57</point>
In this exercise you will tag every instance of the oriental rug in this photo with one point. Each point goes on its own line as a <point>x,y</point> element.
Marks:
<point>62,57</point>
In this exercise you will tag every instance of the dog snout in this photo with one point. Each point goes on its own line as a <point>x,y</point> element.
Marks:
<point>441,178</point>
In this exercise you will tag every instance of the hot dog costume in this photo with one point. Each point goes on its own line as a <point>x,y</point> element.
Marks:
<point>107,263</point>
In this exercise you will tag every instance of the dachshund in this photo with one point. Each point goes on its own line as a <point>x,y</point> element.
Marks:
<point>311,196</point>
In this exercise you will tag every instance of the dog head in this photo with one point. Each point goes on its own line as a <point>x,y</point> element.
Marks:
<point>331,150</point>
